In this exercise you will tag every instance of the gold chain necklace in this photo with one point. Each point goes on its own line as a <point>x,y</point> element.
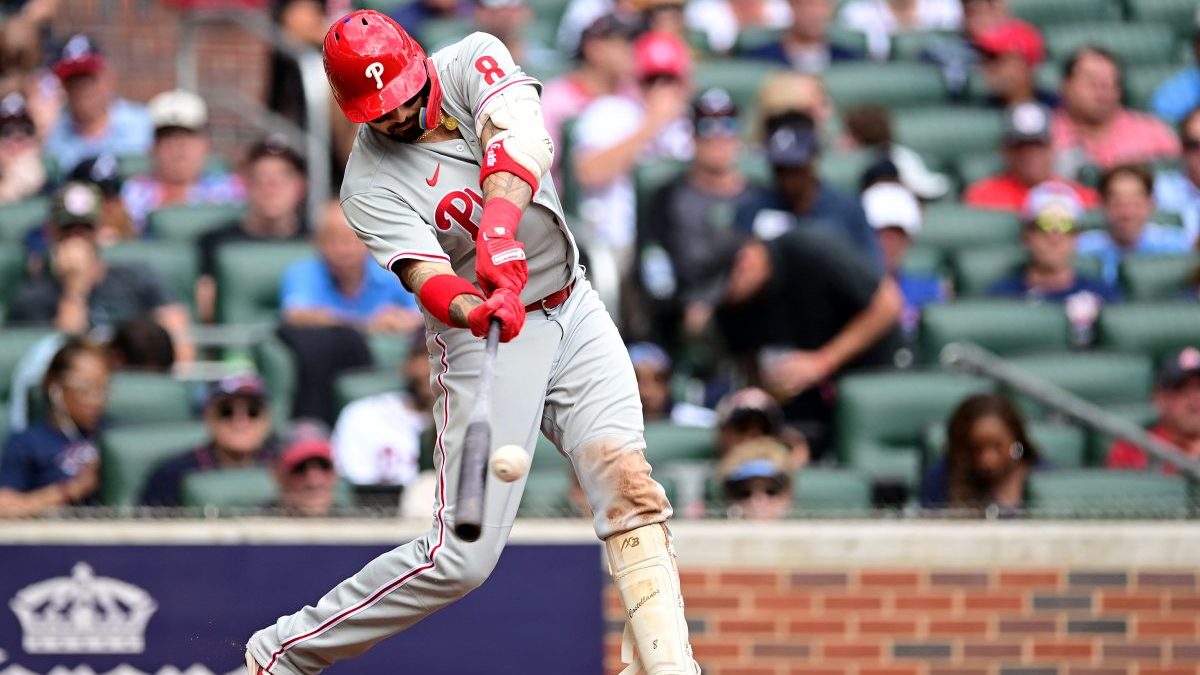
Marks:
<point>444,120</point>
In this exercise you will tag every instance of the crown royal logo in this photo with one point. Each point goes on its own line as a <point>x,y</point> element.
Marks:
<point>83,614</point>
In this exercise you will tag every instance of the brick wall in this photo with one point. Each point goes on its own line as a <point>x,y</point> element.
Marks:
<point>965,621</point>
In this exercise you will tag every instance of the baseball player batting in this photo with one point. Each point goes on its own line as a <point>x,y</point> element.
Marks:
<point>447,185</point>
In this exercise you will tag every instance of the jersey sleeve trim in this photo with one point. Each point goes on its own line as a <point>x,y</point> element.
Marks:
<point>417,255</point>
<point>506,85</point>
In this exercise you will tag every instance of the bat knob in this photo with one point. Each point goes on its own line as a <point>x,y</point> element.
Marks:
<point>467,531</point>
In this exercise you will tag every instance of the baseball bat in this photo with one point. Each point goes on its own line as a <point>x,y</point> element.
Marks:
<point>477,446</point>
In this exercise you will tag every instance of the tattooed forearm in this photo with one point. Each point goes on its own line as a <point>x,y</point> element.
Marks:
<point>504,184</point>
<point>414,273</point>
<point>461,306</point>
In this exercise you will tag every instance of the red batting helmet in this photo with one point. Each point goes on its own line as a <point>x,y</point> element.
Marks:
<point>374,66</point>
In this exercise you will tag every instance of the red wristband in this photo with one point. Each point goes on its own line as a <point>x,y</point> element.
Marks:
<point>500,219</point>
<point>496,159</point>
<point>438,292</point>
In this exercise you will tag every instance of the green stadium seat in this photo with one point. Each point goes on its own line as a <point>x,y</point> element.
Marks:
<point>1093,493</point>
<point>1062,445</point>
<point>549,11</point>
<point>649,178</point>
<point>943,134</point>
<point>855,41</point>
<point>742,78</point>
<point>880,418</point>
<point>248,278</point>
<point>1005,327</point>
<point>187,223</point>
<point>951,227</point>
<point>1158,277</point>
<point>1155,328</point>
<point>1048,12</point>
<point>546,494</point>
<point>976,270</point>
<point>565,157</point>
<point>895,85</point>
<point>12,271</point>
<point>133,165</point>
<point>129,454</point>
<point>1132,43</point>
<point>753,38</point>
<point>136,398</point>
<point>1098,377</point>
<point>924,261</point>
<point>1142,81</point>
<point>1180,14</point>
<point>824,490</point>
<point>844,170</point>
<point>977,166</point>
<point>389,349</point>
<point>546,457</point>
<point>1046,77</point>
<point>1142,413</point>
<point>174,261</point>
<point>351,386</point>
<point>437,33</point>
<point>229,488</point>
<point>911,45</point>
<point>18,218</point>
<point>276,363</point>
<point>668,442</point>
<point>14,343</point>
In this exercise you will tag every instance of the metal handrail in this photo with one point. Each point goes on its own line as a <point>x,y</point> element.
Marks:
<point>970,357</point>
<point>316,138</point>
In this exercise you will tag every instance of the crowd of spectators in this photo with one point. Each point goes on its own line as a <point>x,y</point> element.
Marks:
<point>752,276</point>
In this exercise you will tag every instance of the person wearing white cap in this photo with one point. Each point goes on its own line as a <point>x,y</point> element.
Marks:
<point>177,174</point>
<point>895,215</point>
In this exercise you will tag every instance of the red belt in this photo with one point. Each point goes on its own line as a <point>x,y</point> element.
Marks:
<point>553,300</point>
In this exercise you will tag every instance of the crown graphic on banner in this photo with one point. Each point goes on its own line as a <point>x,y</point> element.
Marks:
<point>83,614</point>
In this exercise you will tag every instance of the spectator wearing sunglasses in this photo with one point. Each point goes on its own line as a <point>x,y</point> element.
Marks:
<point>756,480</point>
<point>304,473</point>
<point>691,219</point>
<point>239,427</point>
<point>1178,192</point>
<point>1050,233</point>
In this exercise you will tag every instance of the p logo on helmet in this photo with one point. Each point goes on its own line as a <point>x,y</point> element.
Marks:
<point>375,70</point>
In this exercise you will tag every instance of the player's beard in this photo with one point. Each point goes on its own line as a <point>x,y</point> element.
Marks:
<point>405,134</point>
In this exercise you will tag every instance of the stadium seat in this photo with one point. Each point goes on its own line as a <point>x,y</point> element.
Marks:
<point>175,262</point>
<point>649,178</point>
<point>1155,328</point>
<point>844,170</point>
<point>1049,12</point>
<point>546,494</point>
<point>133,165</point>
<point>912,45</point>
<point>276,363</point>
<point>437,33</point>
<point>129,454</point>
<point>1094,493</point>
<point>565,161</point>
<point>951,227</point>
<point>248,278</point>
<point>855,41</point>
<point>135,398</point>
<point>742,78</point>
<point>820,490</point>
<point>1062,445</point>
<point>1158,277</point>
<point>943,134</point>
<point>1142,413</point>
<point>895,85</point>
<point>880,418</point>
<point>977,269</point>
<point>12,270</point>
<point>924,261</point>
<point>1098,377</point>
<point>1179,14</point>
<point>14,343</point>
<point>668,442</point>
<point>1132,43</point>
<point>351,386</point>
<point>389,349</point>
<point>755,37</point>
<point>187,223</point>
<point>977,166</point>
<point>1005,327</point>
<point>18,218</point>
<point>1142,81</point>
<point>229,488</point>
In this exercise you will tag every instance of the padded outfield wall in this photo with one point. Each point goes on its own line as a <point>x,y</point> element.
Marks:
<point>863,598</point>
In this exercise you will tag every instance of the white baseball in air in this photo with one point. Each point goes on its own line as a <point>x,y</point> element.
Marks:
<point>510,462</point>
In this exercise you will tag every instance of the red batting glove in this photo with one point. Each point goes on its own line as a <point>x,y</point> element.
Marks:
<point>504,305</point>
<point>499,257</point>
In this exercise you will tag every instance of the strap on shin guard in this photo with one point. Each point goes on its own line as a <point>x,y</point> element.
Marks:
<point>642,564</point>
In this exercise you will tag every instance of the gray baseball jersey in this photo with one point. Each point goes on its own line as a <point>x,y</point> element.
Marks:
<point>567,375</point>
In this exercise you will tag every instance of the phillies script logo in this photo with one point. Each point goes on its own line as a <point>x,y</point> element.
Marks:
<point>457,208</point>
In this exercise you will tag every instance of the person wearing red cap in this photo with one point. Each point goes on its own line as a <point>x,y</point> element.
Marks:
<point>1010,52</point>
<point>96,120</point>
<point>616,133</point>
<point>448,187</point>
<point>303,473</point>
<point>1177,399</point>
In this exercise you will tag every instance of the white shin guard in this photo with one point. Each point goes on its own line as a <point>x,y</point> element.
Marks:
<point>642,564</point>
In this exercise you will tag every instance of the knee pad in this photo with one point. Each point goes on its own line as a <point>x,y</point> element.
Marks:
<point>642,564</point>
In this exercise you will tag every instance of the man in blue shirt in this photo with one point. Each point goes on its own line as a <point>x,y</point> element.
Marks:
<point>800,197</point>
<point>1050,232</point>
<point>1178,192</point>
<point>343,286</point>
<point>1128,194</point>
<point>95,121</point>
<point>805,46</point>
<point>1181,94</point>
